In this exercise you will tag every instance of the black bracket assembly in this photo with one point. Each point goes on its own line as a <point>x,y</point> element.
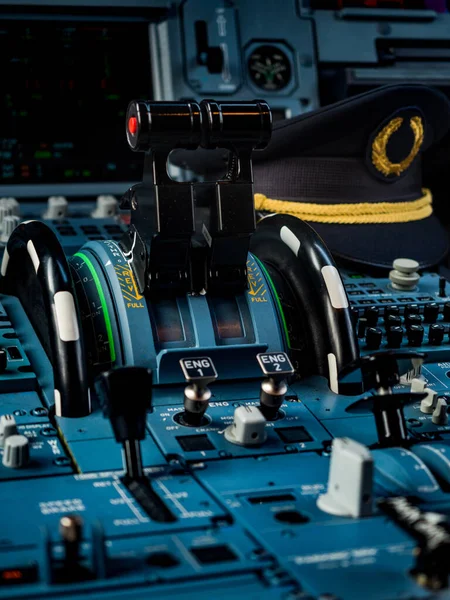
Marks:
<point>187,237</point>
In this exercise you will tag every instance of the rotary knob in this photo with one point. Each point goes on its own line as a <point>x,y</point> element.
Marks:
<point>16,452</point>
<point>404,275</point>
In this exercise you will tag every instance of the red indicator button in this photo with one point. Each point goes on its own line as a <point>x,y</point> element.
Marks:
<point>132,125</point>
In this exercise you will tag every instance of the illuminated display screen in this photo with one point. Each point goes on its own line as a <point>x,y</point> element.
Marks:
<point>64,92</point>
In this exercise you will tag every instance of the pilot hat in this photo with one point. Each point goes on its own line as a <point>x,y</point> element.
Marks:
<point>353,171</point>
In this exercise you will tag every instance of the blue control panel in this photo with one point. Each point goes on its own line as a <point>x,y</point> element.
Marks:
<point>251,475</point>
<point>246,517</point>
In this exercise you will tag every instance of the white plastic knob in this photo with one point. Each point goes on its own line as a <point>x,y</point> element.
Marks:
<point>57,208</point>
<point>404,275</point>
<point>248,428</point>
<point>405,265</point>
<point>16,453</point>
<point>440,416</point>
<point>427,404</point>
<point>106,206</point>
<point>350,480</point>
<point>8,427</point>
<point>9,224</point>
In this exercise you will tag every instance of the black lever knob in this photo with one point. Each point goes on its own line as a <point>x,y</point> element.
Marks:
<point>380,371</point>
<point>374,336</point>
<point>128,420</point>
<point>447,311</point>
<point>362,326</point>
<point>412,309</point>
<point>430,312</point>
<point>415,335</point>
<point>391,310</point>
<point>392,321</point>
<point>395,336</point>
<point>3,360</point>
<point>127,415</point>
<point>413,319</point>
<point>372,313</point>
<point>436,334</point>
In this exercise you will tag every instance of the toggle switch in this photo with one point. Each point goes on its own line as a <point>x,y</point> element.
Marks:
<point>277,367</point>
<point>199,372</point>
<point>350,480</point>
<point>248,427</point>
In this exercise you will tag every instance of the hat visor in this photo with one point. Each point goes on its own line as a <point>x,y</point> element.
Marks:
<point>378,245</point>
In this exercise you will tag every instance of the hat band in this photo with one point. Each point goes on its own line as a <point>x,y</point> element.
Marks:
<point>354,213</point>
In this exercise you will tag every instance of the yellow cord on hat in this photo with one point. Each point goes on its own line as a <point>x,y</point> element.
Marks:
<point>352,213</point>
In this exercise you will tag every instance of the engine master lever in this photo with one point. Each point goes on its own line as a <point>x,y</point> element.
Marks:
<point>169,248</point>
<point>128,420</point>
<point>199,372</point>
<point>277,367</point>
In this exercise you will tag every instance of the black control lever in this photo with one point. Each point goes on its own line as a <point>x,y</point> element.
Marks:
<point>168,247</point>
<point>381,371</point>
<point>128,420</point>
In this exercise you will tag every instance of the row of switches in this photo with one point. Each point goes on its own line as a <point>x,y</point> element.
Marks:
<point>106,206</point>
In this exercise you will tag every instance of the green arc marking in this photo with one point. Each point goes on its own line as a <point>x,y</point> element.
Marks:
<point>274,291</point>
<point>101,295</point>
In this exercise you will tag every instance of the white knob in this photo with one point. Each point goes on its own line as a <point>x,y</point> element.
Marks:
<point>9,224</point>
<point>427,404</point>
<point>405,265</point>
<point>9,206</point>
<point>440,416</point>
<point>57,208</point>
<point>248,428</point>
<point>418,385</point>
<point>106,206</point>
<point>8,427</point>
<point>404,275</point>
<point>350,480</point>
<point>16,453</point>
